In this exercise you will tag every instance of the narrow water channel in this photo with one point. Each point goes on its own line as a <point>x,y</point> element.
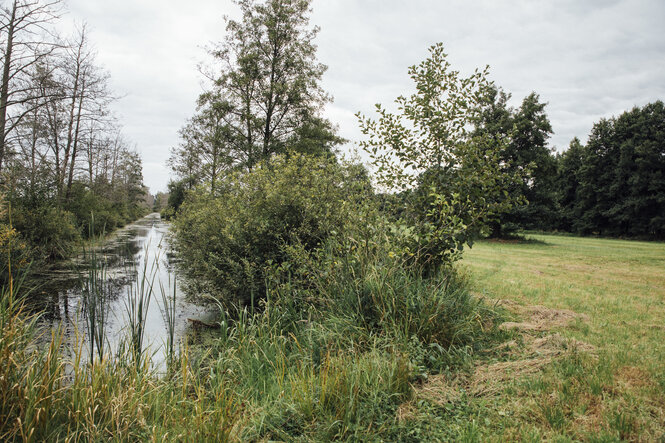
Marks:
<point>124,254</point>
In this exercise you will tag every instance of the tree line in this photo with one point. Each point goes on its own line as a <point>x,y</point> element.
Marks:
<point>63,158</point>
<point>612,186</point>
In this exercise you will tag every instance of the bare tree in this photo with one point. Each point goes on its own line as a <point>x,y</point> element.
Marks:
<point>26,39</point>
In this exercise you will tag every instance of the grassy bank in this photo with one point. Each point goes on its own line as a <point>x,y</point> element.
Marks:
<point>609,390</point>
<point>337,359</point>
<point>373,352</point>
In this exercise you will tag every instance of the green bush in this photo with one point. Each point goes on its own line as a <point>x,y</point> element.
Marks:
<point>51,232</point>
<point>229,239</point>
<point>361,277</point>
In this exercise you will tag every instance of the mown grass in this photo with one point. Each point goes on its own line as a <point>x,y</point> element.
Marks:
<point>615,393</point>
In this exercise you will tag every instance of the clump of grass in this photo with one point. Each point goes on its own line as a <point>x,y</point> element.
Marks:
<point>139,296</point>
<point>95,295</point>
<point>30,376</point>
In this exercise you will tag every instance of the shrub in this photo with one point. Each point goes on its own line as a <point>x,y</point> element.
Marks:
<point>51,232</point>
<point>229,239</point>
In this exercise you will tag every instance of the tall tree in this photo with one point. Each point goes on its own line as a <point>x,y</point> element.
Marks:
<point>569,164</point>
<point>527,130</point>
<point>206,141</point>
<point>269,79</point>
<point>25,40</point>
<point>622,175</point>
<point>529,148</point>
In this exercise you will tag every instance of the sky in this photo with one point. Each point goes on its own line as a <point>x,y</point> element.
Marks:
<point>587,59</point>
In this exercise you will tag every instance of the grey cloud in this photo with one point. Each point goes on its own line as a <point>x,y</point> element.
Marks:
<point>587,59</point>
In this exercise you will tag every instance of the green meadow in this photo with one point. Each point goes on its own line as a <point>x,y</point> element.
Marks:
<point>610,384</point>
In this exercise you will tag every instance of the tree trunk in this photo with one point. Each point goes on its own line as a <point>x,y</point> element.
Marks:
<point>75,142</point>
<point>4,89</point>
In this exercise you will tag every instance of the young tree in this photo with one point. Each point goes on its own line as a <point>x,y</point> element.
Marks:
<point>428,145</point>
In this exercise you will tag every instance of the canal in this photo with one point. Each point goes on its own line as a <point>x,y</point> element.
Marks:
<point>141,247</point>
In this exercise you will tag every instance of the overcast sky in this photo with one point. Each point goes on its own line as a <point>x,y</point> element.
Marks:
<point>587,59</point>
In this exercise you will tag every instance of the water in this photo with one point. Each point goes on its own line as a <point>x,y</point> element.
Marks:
<point>125,254</point>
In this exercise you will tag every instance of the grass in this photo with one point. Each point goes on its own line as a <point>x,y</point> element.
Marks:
<point>331,356</point>
<point>614,393</point>
<point>365,350</point>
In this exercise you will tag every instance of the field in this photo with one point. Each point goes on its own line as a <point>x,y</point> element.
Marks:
<point>596,373</point>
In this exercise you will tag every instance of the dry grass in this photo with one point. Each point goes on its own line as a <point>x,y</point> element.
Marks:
<point>541,318</point>
<point>527,358</point>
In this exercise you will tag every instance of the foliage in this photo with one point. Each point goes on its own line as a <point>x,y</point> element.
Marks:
<point>229,238</point>
<point>51,233</point>
<point>459,177</point>
<point>615,185</point>
<point>62,157</point>
<point>525,131</point>
<point>569,165</point>
<point>205,150</point>
<point>265,98</point>
<point>337,368</point>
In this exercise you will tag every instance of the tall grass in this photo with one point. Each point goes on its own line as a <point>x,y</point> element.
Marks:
<point>95,295</point>
<point>330,352</point>
<point>137,304</point>
<point>168,310</point>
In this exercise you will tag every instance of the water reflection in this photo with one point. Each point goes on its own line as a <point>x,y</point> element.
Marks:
<point>60,296</point>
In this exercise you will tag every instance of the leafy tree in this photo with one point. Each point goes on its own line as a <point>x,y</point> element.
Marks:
<point>622,176</point>
<point>205,150</point>
<point>177,193</point>
<point>569,164</point>
<point>269,82</point>
<point>427,146</point>
<point>495,117</point>
<point>528,148</point>
<point>526,130</point>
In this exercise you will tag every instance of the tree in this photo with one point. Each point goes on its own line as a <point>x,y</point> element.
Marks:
<point>206,140</point>
<point>526,129</point>
<point>622,176</point>
<point>569,164</point>
<point>268,81</point>
<point>427,145</point>
<point>20,24</point>
<point>529,149</point>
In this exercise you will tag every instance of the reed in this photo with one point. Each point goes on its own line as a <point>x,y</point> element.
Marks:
<point>168,310</point>
<point>137,303</point>
<point>95,294</point>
